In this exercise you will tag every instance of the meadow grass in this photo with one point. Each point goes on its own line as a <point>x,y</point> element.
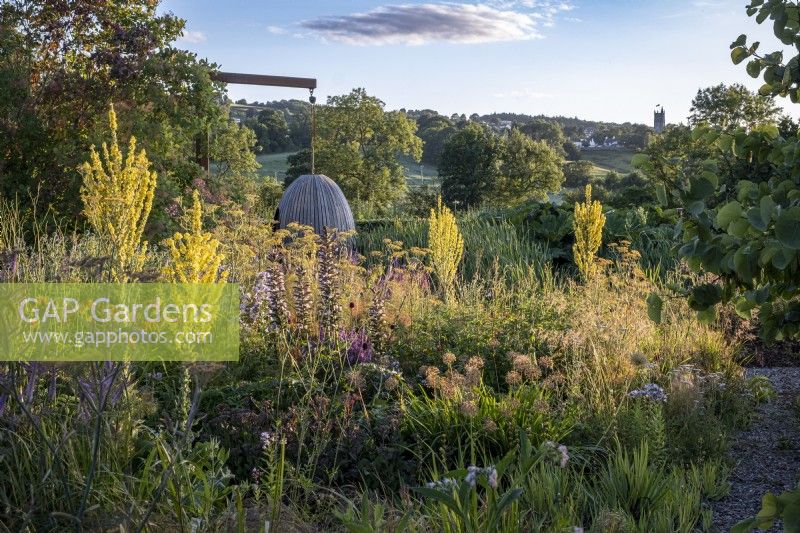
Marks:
<point>616,159</point>
<point>274,165</point>
<point>364,400</point>
<point>417,174</point>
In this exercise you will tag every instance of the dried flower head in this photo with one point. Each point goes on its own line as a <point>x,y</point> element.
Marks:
<point>468,408</point>
<point>541,405</point>
<point>474,362</point>
<point>391,383</point>
<point>513,378</point>
<point>431,375</point>
<point>524,365</point>
<point>356,379</point>
<point>553,380</point>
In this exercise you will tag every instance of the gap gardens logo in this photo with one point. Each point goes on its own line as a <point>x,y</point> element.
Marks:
<point>119,322</point>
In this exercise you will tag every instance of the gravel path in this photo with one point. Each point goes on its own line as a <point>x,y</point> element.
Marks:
<point>767,453</point>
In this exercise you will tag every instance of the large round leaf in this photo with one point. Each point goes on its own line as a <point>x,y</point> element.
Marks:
<point>705,296</point>
<point>728,213</point>
<point>754,217</point>
<point>782,258</point>
<point>767,208</point>
<point>700,187</point>
<point>787,228</point>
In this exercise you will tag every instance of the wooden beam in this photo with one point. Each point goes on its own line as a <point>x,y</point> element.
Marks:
<point>262,79</point>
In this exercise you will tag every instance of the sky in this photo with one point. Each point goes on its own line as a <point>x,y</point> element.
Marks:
<point>609,60</point>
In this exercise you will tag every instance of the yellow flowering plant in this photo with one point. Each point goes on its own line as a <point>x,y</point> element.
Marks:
<point>445,245</point>
<point>194,256</point>
<point>117,194</point>
<point>588,225</point>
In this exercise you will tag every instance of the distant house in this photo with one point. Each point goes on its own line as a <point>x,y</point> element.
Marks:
<point>496,125</point>
<point>610,142</point>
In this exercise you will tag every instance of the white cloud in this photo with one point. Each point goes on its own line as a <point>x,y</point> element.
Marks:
<point>277,30</point>
<point>441,22</point>
<point>546,9</point>
<point>192,37</point>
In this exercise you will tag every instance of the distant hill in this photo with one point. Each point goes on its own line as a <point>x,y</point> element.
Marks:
<point>284,126</point>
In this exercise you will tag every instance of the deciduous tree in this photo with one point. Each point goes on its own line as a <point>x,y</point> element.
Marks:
<point>64,62</point>
<point>469,166</point>
<point>745,233</point>
<point>358,145</point>
<point>528,170</point>
<point>732,106</point>
<point>547,131</point>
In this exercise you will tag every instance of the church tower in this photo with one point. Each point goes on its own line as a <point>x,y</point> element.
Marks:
<point>659,119</point>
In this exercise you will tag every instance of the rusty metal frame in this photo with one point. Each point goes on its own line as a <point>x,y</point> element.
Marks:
<point>264,79</point>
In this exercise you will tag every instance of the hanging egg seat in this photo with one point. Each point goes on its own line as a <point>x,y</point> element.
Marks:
<point>315,200</point>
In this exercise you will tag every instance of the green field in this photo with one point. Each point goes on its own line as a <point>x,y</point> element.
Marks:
<point>599,172</point>
<point>417,174</point>
<point>274,165</point>
<point>618,160</point>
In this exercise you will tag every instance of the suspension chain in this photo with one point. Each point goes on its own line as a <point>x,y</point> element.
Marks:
<point>313,100</point>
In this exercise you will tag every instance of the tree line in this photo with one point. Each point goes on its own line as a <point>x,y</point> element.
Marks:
<point>60,74</point>
<point>63,67</point>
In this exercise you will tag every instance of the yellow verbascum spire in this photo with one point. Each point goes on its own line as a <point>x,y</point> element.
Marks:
<point>194,256</point>
<point>588,222</point>
<point>445,245</point>
<point>117,194</point>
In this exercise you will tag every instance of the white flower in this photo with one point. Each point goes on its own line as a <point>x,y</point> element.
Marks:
<point>472,475</point>
<point>267,438</point>
<point>445,484</point>
<point>564,456</point>
<point>473,472</point>
<point>651,391</point>
<point>492,477</point>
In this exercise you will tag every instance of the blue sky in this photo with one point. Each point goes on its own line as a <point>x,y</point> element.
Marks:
<point>610,60</point>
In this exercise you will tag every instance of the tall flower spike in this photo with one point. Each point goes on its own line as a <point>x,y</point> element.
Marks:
<point>277,290</point>
<point>377,316</point>
<point>117,194</point>
<point>303,300</point>
<point>588,224</point>
<point>446,246</point>
<point>195,256</point>
<point>330,308</point>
